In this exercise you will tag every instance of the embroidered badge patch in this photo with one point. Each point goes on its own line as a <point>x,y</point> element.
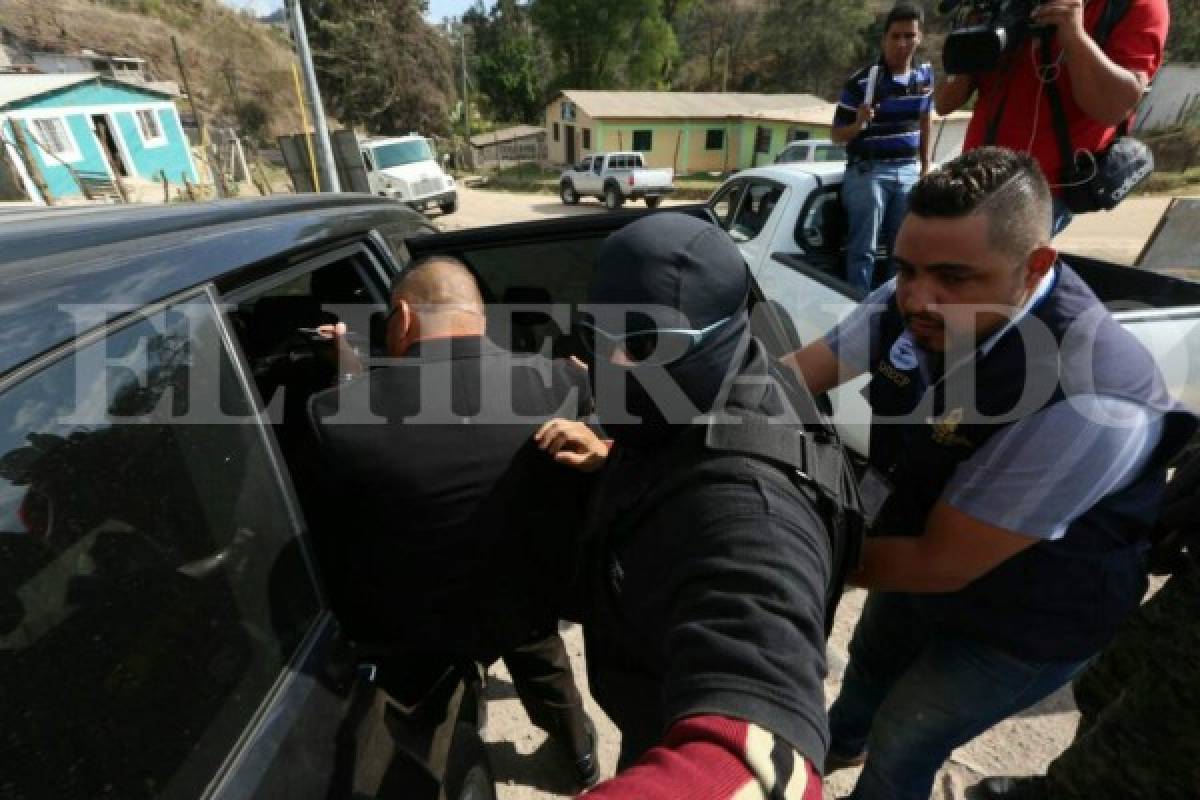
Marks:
<point>903,354</point>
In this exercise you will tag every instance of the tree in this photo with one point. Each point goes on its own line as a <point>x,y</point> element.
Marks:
<point>380,65</point>
<point>717,37</point>
<point>510,63</point>
<point>1183,40</point>
<point>617,42</point>
<point>813,43</point>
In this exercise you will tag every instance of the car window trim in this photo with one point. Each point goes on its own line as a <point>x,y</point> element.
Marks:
<point>318,630</point>
<point>819,191</point>
<point>93,335</point>
<point>748,186</point>
<point>240,294</point>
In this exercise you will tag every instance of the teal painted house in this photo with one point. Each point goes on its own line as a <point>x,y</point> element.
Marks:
<point>82,126</point>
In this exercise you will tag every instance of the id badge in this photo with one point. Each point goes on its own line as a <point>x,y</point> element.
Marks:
<point>874,489</point>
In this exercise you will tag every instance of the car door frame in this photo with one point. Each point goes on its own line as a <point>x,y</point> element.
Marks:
<point>326,662</point>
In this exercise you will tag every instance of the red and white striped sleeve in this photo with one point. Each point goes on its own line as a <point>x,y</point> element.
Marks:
<point>711,757</point>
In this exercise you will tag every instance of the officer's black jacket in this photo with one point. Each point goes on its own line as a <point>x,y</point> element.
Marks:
<point>450,526</point>
<point>707,598</point>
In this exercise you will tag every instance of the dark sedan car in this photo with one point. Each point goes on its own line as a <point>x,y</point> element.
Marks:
<point>167,546</point>
<point>165,628</point>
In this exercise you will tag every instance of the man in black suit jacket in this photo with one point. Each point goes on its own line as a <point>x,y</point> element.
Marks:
<point>458,525</point>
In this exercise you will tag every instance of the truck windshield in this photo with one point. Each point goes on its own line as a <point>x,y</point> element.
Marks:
<point>399,153</point>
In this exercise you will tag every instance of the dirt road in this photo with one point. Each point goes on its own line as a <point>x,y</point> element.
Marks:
<point>1114,236</point>
<point>527,769</point>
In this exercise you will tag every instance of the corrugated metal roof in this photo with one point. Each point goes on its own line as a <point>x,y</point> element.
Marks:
<point>506,135</point>
<point>15,88</point>
<point>691,105</point>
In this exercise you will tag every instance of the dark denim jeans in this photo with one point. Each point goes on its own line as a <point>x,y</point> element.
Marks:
<point>912,695</point>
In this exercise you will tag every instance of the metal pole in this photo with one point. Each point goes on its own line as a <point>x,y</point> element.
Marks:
<point>466,98</point>
<point>312,157</point>
<point>324,148</point>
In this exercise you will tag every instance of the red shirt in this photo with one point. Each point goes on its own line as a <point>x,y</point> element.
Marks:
<point>1136,43</point>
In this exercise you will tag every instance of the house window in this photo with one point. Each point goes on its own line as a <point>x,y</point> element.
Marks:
<point>556,131</point>
<point>643,141</point>
<point>714,139</point>
<point>762,140</point>
<point>55,139</point>
<point>587,138</point>
<point>797,134</point>
<point>150,128</point>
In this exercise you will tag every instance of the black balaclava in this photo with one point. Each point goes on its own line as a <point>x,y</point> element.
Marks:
<point>692,271</point>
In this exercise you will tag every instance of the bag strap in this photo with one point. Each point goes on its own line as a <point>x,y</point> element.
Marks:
<point>1113,12</point>
<point>1062,131</point>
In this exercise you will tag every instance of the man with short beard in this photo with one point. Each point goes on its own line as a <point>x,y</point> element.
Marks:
<point>706,559</point>
<point>1018,446</point>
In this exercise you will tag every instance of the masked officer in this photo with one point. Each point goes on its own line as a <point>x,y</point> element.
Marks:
<point>1018,443</point>
<point>707,551</point>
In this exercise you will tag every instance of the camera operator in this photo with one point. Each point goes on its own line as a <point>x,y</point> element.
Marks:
<point>1098,83</point>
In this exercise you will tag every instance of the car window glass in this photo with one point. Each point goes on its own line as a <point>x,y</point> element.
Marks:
<point>598,166</point>
<point>821,227</point>
<point>151,580</point>
<point>725,203</point>
<point>584,165</point>
<point>534,274</point>
<point>830,152</point>
<point>754,211</point>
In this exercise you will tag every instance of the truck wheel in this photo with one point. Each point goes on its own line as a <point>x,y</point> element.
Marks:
<point>468,775</point>
<point>613,198</point>
<point>653,202</point>
<point>450,206</point>
<point>567,193</point>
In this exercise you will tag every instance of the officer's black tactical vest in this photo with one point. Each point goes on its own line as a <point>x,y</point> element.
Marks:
<point>1056,600</point>
<point>804,455</point>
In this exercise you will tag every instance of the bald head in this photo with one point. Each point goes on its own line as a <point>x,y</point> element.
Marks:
<point>435,298</point>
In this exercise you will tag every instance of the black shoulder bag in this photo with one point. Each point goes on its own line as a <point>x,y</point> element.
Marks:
<point>1097,181</point>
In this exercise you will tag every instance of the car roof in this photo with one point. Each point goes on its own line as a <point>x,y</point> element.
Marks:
<point>826,172</point>
<point>137,255</point>
<point>794,142</point>
<point>410,137</point>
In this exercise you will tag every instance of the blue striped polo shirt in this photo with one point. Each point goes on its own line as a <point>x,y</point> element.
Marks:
<point>900,101</point>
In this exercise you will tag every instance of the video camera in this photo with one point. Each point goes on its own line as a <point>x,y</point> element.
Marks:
<point>984,30</point>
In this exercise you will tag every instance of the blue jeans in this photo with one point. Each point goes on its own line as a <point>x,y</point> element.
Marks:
<point>911,695</point>
<point>875,194</point>
<point>1060,216</point>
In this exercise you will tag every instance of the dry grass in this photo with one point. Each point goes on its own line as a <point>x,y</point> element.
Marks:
<point>214,40</point>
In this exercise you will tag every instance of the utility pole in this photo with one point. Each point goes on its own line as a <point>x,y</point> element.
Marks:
<point>324,148</point>
<point>466,98</point>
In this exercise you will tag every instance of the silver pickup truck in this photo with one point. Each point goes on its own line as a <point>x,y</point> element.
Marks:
<point>789,224</point>
<point>615,178</point>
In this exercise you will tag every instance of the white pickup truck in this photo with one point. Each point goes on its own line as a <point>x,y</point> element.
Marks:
<point>615,178</point>
<point>789,224</point>
<point>405,168</point>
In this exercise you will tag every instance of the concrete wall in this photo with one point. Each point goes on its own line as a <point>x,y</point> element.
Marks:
<point>1174,97</point>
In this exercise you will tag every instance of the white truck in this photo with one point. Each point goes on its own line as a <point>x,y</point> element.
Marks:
<point>405,168</point>
<point>615,178</point>
<point>788,221</point>
<point>811,150</point>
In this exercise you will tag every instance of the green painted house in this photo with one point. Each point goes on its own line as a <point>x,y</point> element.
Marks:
<point>689,131</point>
<point>83,125</point>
